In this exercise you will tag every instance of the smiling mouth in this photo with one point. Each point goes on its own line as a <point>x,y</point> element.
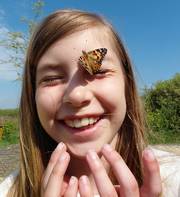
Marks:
<point>82,123</point>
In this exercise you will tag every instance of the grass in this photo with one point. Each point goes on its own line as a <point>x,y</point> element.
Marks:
<point>8,112</point>
<point>167,137</point>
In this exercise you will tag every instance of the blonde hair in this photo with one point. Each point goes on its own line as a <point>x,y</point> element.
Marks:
<point>35,145</point>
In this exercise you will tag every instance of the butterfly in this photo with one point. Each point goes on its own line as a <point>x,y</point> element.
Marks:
<point>92,60</point>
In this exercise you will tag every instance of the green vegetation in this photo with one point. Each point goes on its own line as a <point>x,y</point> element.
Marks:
<point>9,127</point>
<point>162,105</point>
<point>9,113</point>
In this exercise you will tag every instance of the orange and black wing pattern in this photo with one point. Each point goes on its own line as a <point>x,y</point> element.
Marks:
<point>92,60</point>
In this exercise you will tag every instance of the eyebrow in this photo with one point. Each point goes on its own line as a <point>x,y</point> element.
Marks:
<point>47,67</point>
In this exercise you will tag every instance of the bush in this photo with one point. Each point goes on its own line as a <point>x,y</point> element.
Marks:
<point>162,104</point>
<point>10,132</point>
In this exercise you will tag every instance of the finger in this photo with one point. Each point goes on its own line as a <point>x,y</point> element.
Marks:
<point>85,187</point>
<point>103,182</point>
<point>152,185</point>
<point>72,188</point>
<point>54,184</point>
<point>127,181</point>
<point>54,157</point>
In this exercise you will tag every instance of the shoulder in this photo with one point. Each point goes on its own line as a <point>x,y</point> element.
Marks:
<point>7,183</point>
<point>170,172</point>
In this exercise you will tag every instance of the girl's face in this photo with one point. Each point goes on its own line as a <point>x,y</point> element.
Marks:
<point>84,111</point>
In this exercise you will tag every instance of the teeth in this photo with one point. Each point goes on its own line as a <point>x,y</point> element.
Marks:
<point>91,120</point>
<point>77,123</point>
<point>69,123</point>
<point>84,122</point>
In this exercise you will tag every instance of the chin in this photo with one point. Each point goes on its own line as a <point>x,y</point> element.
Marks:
<point>80,151</point>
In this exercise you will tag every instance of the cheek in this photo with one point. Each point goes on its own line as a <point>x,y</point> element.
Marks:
<point>112,97</point>
<point>46,103</point>
<point>113,94</point>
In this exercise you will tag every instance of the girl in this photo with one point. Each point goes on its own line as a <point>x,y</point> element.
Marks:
<point>82,130</point>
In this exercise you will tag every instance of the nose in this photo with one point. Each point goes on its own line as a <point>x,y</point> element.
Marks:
<point>77,96</point>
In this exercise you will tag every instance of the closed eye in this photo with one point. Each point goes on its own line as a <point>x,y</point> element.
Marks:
<point>52,80</point>
<point>103,73</point>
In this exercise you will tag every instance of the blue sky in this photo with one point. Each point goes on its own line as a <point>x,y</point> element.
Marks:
<point>150,31</point>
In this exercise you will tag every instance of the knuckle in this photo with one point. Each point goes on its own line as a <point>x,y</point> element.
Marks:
<point>98,168</point>
<point>154,168</point>
<point>57,170</point>
<point>155,191</point>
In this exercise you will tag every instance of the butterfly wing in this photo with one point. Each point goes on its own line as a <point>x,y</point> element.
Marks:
<point>92,60</point>
<point>97,55</point>
<point>83,60</point>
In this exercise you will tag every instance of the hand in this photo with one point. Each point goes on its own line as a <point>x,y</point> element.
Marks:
<point>53,183</point>
<point>128,186</point>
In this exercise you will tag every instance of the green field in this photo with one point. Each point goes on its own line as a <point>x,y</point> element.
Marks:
<point>9,127</point>
<point>10,135</point>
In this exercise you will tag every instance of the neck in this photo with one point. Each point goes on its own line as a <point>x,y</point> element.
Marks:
<point>79,167</point>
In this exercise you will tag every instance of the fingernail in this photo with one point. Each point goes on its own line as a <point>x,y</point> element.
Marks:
<point>107,147</point>
<point>93,159</point>
<point>148,154</point>
<point>92,154</point>
<point>72,180</point>
<point>84,179</point>
<point>60,145</point>
<point>63,156</point>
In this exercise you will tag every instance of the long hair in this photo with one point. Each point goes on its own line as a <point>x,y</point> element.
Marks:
<point>35,145</point>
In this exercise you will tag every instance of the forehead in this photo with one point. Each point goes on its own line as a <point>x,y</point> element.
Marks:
<point>88,39</point>
<point>70,47</point>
